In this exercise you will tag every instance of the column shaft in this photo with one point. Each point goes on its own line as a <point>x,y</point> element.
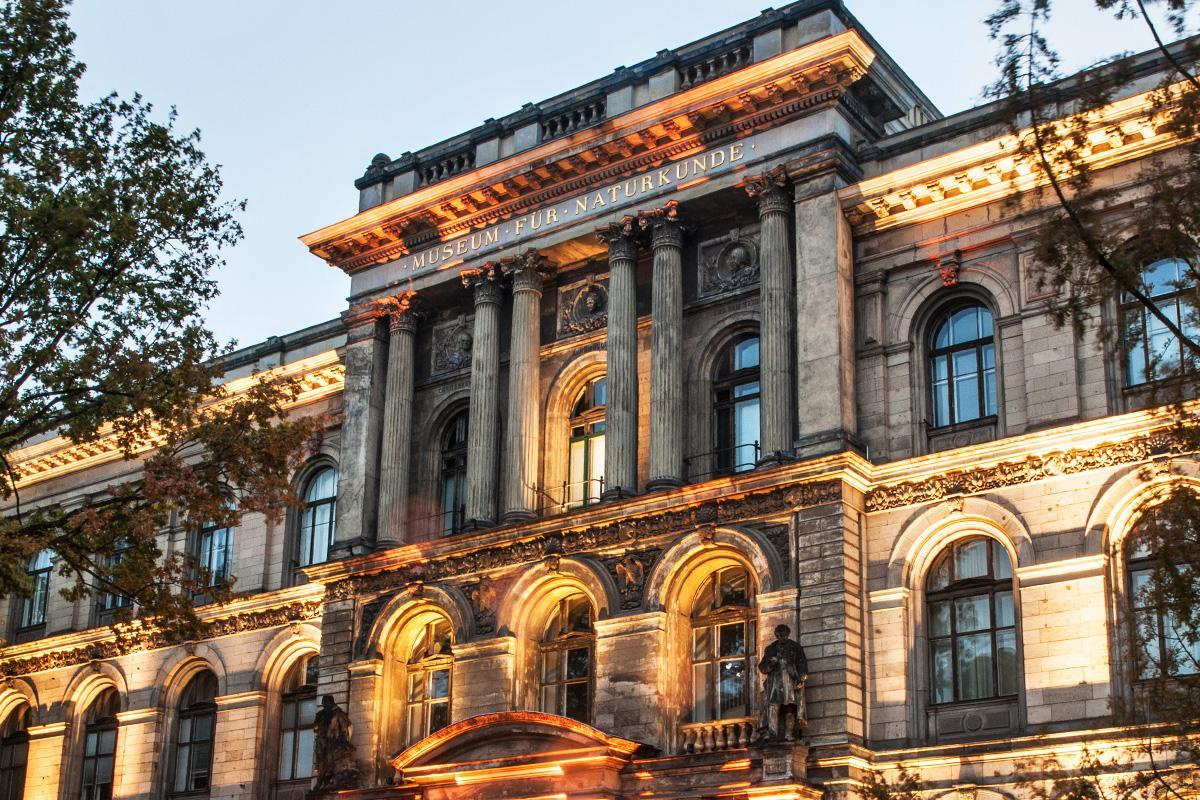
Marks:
<point>620,471</point>
<point>777,331</point>
<point>396,452</point>
<point>482,436</point>
<point>521,434</point>
<point>666,362</point>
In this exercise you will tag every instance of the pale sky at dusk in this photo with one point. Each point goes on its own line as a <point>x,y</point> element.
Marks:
<point>294,97</point>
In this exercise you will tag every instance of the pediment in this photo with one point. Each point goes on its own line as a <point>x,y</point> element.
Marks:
<point>483,756</point>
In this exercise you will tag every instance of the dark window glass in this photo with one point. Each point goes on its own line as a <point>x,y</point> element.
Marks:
<point>428,681</point>
<point>14,754</point>
<point>298,711</point>
<point>110,602</point>
<point>1151,350</point>
<point>722,647</point>
<point>214,554</point>
<point>567,648</point>
<point>585,473</point>
<point>962,366</point>
<point>318,517</point>
<point>99,747</point>
<point>1164,643</point>
<point>194,735</point>
<point>454,474</point>
<point>735,405</point>
<point>972,624</point>
<point>32,609</point>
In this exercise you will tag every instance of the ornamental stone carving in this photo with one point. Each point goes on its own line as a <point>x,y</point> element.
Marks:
<point>482,597</point>
<point>730,262</point>
<point>583,306</point>
<point>452,343</point>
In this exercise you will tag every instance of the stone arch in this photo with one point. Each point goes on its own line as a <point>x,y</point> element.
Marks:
<point>19,692</point>
<point>926,533</point>
<point>927,295</point>
<point>1126,495</point>
<point>696,552</point>
<point>418,601</point>
<point>279,653</point>
<point>181,666</point>
<point>423,503</point>
<point>560,400</point>
<point>698,397</point>
<point>88,682</point>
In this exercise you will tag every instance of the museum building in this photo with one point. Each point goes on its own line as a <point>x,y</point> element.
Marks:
<point>745,335</point>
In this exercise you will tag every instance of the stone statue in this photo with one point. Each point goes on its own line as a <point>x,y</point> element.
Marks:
<point>786,670</point>
<point>333,752</point>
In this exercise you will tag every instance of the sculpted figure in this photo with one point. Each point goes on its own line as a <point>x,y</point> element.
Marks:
<point>333,752</point>
<point>786,670</point>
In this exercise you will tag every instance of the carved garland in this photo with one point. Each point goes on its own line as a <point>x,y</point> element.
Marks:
<point>1027,470</point>
<point>138,638</point>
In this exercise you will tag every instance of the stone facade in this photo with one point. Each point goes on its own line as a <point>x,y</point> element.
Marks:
<point>754,240</point>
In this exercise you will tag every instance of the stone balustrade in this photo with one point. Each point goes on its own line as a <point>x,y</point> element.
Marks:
<point>723,734</point>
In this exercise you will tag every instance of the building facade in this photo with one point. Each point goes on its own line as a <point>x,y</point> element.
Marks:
<point>745,335</point>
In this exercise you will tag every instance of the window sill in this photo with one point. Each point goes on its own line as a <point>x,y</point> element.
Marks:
<point>972,719</point>
<point>964,434</point>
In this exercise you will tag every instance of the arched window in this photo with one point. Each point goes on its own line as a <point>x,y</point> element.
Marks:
<point>454,473</point>
<point>100,747</point>
<point>14,754</point>
<point>735,405</point>
<point>318,517</point>
<point>962,365</point>
<point>972,624</point>
<point>1152,351</point>
<point>428,681</point>
<point>194,734</point>
<point>585,472</point>
<point>567,648</point>
<point>31,614</point>
<point>1164,643</point>
<point>298,710</point>
<point>722,647</point>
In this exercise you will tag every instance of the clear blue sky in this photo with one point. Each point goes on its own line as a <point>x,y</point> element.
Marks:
<point>293,97</point>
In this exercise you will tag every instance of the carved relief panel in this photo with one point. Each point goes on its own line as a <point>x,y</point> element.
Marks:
<point>728,263</point>
<point>583,306</point>
<point>452,343</point>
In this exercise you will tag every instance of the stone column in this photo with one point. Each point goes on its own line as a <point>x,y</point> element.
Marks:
<point>620,440</point>
<point>777,331</point>
<point>396,451</point>
<point>362,404</point>
<point>482,436</point>
<point>522,433</point>
<point>666,361</point>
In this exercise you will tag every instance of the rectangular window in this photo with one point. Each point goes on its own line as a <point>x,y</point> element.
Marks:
<point>214,552</point>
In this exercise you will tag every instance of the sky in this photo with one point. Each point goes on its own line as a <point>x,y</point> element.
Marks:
<point>294,97</point>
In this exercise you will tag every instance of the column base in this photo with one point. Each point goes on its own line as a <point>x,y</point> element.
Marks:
<point>517,516</point>
<point>616,493</point>
<point>775,459</point>
<point>823,443</point>
<point>348,549</point>
<point>478,525</point>
<point>663,483</point>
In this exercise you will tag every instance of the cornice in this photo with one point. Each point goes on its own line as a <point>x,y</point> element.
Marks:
<point>1122,131</point>
<point>756,96</point>
<point>320,376</point>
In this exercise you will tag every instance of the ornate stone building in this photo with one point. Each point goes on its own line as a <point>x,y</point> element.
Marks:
<point>742,336</point>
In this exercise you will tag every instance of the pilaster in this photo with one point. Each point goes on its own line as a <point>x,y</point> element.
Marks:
<point>620,473</point>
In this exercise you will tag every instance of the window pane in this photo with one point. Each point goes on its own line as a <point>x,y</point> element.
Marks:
<point>966,387</point>
<point>733,694</point>
<point>286,744</point>
<point>974,659</point>
<point>416,688</point>
<point>576,488</point>
<point>942,337</point>
<point>964,325</point>
<point>439,683</point>
<point>550,666</point>
<point>745,354</point>
<point>943,671</point>
<point>733,640</point>
<point>746,423</point>
<point>595,466</point>
<point>415,731</point>
<point>439,716</point>
<point>577,701</point>
<point>971,613</point>
<point>550,699</point>
<point>940,577</point>
<point>939,619</point>
<point>1006,662</point>
<point>971,559</point>
<point>181,769</point>
<point>1001,565</point>
<point>701,644</point>
<point>304,753</point>
<point>701,709</point>
<point>1147,635</point>
<point>578,663</point>
<point>1004,610</point>
<point>1184,659</point>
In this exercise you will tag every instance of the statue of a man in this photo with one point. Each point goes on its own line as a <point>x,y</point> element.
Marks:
<point>333,752</point>
<point>786,670</point>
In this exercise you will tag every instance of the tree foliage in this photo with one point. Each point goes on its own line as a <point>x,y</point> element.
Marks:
<point>111,225</point>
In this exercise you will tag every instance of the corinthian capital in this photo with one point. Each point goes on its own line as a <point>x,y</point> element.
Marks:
<point>770,190</point>
<point>620,238</point>
<point>526,270</point>
<point>664,225</point>
<point>401,311</point>
<point>485,282</point>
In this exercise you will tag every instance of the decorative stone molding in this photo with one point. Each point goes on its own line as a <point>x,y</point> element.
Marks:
<point>663,224</point>
<point>452,344</point>
<point>1027,470</point>
<point>527,271</point>
<point>482,596</point>
<point>770,189</point>
<point>630,571</point>
<point>949,267</point>
<point>620,238</point>
<point>583,306</point>
<point>730,262</point>
<point>138,637</point>
<point>484,282</point>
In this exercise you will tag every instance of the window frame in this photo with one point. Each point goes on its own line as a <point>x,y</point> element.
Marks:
<point>291,712</point>
<point>713,621</point>
<point>210,529</point>
<point>452,472</point>
<point>108,604</point>
<point>196,709</point>
<point>40,597</point>
<point>14,753</point>
<point>587,426</point>
<point>1127,305</point>
<point>943,317</point>
<point>559,647</point>
<point>424,667</point>
<point>989,586</point>
<point>727,379</point>
<point>99,719</point>
<point>303,525</point>
<point>1136,563</point>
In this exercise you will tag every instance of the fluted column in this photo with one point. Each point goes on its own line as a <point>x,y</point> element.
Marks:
<point>482,436</point>
<point>666,368</point>
<point>395,455</point>
<point>521,433</point>
<point>777,332</point>
<point>620,438</point>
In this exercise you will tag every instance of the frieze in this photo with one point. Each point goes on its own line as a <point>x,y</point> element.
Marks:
<point>580,541</point>
<point>136,638</point>
<point>1027,470</point>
